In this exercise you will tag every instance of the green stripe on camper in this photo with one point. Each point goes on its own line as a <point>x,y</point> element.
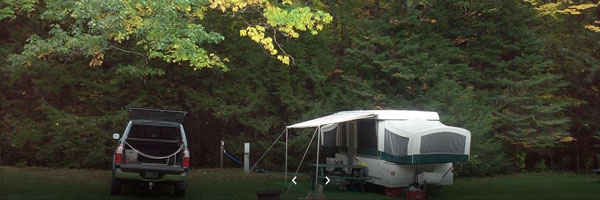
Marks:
<point>393,158</point>
<point>425,158</point>
<point>440,158</point>
<point>369,152</point>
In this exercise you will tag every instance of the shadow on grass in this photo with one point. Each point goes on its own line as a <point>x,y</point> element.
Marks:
<point>158,191</point>
<point>333,191</point>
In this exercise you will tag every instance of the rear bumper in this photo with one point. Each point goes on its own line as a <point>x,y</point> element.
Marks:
<point>136,176</point>
<point>157,168</point>
<point>136,172</point>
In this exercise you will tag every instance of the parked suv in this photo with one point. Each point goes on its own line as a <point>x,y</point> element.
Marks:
<point>153,149</point>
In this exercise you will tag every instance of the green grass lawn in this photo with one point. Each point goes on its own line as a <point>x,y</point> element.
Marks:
<point>46,183</point>
<point>525,186</point>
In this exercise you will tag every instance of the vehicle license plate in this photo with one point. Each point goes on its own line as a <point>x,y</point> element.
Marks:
<point>151,174</point>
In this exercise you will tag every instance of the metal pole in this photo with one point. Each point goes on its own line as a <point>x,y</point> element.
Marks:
<point>246,157</point>
<point>317,165</point>
<point>221,152</point>
<point>286,153</point>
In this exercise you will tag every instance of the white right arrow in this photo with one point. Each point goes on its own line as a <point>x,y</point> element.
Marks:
<point>327,180</point>
<point>294,180</point>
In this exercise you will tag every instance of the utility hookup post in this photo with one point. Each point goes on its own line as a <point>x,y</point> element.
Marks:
<point>246,157</point>
<point>222,144</point>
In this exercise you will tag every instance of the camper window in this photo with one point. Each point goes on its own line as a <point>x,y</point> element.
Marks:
<point>443,142</point>
<point>329,137</point>
<point>367,137</point>
<point>395,144</point>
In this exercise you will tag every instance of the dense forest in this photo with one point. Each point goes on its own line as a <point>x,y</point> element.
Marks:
<point>521,75</point>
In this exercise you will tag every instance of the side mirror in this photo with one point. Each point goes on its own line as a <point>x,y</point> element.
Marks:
<point>116,136</point>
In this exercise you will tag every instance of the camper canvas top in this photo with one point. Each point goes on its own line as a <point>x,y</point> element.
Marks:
<point>345,116</point>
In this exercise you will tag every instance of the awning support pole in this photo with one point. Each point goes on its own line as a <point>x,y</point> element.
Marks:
<point>317,165</point>
<point>312,138</point>
<point>222,144</point>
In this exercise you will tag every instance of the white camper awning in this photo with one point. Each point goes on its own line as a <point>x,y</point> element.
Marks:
<point>334,118</point>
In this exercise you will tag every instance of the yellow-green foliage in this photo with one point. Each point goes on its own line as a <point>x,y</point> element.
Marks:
<point>167,30</point>
<point>289,22</point>
<point>561,8</point>
<point>552,9</point>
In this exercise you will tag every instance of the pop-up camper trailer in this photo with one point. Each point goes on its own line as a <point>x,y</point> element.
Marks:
<point>398,147</point>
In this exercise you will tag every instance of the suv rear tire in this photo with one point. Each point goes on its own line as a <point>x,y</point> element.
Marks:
<point>179,189</point>
<point>115,186</point>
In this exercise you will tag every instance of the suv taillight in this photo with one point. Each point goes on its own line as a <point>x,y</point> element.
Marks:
<point>119,154</point>
<point>186,158</point>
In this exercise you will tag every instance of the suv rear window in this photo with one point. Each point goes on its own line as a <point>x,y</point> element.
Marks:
<point>154,132</point>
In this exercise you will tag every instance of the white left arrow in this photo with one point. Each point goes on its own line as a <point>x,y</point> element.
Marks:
<point>294,180</point>
<point>327,180</point>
